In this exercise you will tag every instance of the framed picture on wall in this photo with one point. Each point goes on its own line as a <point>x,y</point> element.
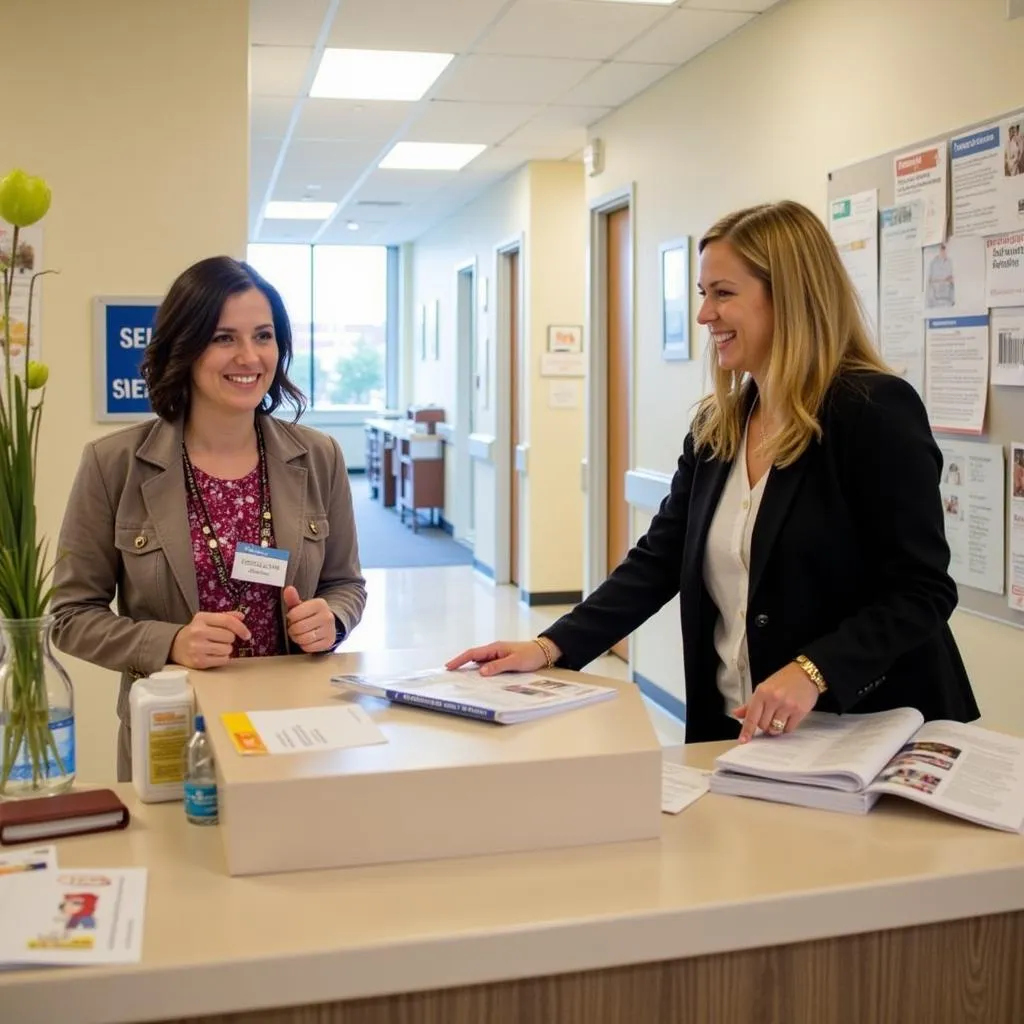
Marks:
<point>674,263</point>
<point>565,339</point>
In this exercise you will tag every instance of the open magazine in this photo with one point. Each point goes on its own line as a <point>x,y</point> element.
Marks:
<point>845,763</point>
<point>505,699</point>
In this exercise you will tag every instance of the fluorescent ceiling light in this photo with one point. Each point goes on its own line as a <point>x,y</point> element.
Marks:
<point>651,3</point>
<point>377,74</point>
<point>298,211</point>
<point>431,156</point>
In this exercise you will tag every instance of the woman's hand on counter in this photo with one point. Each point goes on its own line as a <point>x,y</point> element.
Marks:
<point>504,656</point>
<point>207,640</point>
<point>779,704</point>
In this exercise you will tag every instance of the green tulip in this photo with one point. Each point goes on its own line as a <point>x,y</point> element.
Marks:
<point>23,199</point>
<point>36,374</point>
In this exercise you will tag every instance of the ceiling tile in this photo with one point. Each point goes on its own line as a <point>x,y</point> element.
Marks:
<point>683,35</point>
<point>295,23</point>
<point>269,116</point>
<point>492,79</point>
<point>298,231</point>
<point>442,26</point>
<point>748,6</point>
<point>403,186</point>
<point>278,70</point>
<point>613,84</point>
<point>548,142</point>
<point>367,120</point>
<point>262,157</point>
<point>488,123</point>
<point>542,28</point>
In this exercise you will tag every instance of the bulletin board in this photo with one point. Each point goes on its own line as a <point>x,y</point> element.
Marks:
<point>1004,418</point>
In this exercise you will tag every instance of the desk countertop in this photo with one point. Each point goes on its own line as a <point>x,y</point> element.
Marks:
<point>726,874</point>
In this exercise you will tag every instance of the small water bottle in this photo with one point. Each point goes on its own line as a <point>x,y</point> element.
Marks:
<point>200,778</point>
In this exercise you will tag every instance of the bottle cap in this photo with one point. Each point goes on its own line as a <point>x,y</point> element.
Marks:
<point>200,724</point>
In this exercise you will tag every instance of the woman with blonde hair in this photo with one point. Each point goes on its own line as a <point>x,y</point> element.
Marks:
<point>803,531</point>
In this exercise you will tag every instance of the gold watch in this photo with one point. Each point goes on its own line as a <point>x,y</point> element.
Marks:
<point>812,671</point>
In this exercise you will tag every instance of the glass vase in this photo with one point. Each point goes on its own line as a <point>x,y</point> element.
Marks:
<point>37,712</point>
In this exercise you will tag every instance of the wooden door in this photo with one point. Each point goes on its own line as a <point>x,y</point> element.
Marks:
<point>620,348</point>
<point>513,331</point>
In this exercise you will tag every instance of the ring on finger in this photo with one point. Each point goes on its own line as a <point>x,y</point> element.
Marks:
<point>776,725</point>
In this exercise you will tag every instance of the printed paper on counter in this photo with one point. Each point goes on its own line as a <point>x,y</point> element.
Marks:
<point>956,388</point>
<point>681,786</point>
<point>33,858</point>
<point>973,489</point>
<point>921,174</point>
<point>72,916</point>
<point>301,730</point>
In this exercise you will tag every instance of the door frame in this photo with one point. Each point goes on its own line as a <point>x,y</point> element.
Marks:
<point>465,398</point>
<point>502,399</point>
<point>595,475</point>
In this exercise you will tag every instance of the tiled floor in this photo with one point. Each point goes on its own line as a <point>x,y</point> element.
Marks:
<point>448,609</point>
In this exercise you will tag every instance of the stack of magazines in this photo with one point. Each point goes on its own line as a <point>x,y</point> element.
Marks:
<point>845,763</point>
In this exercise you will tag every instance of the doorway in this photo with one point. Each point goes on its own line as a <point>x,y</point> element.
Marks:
<point>609,427</point>
<point>514,415</point>
<point>618,289</point>
<point>465,410</point>
<point>508,408</point>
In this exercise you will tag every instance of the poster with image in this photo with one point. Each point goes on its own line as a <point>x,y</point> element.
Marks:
<point>973,492</point>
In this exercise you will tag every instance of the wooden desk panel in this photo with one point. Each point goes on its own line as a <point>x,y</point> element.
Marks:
<point>960,972</point>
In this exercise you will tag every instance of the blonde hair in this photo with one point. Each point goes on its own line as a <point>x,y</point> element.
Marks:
<point>818,330</point>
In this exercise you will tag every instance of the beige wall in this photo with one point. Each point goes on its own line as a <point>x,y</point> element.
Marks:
<point>810,86</point>
<point>137,115</point>
<point>543,204</point>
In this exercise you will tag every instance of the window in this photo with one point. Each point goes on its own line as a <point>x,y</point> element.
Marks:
<point>337,299</point>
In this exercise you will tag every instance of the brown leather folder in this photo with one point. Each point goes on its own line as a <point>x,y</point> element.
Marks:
<point>69,814</point>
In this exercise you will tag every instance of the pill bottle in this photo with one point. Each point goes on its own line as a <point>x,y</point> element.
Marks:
<point>161,720</point>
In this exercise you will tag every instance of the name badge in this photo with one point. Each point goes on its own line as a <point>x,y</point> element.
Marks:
<point>260,565</point>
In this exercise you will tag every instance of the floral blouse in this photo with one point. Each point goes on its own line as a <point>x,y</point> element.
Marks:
<point>234,508</point>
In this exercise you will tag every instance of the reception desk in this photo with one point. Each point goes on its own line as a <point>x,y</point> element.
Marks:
<point>738,911</point>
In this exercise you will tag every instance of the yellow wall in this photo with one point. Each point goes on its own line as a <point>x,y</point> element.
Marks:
<point>556,436</point>
<point>544,205</point>
<point>137,115</point>
<point>810,86</point>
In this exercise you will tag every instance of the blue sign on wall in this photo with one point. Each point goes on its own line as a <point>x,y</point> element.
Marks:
<point>123,328</point>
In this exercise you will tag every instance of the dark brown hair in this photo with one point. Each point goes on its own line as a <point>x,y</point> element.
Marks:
<point>185,324</point>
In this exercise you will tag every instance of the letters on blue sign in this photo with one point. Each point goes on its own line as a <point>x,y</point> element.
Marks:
<point>977,142</point>
<point>129,329</point>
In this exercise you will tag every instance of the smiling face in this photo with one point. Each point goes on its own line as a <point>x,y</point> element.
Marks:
<point>737,310</point>
<point>237,367</point>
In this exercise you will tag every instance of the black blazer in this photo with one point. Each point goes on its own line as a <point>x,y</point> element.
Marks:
<point>848,566</point>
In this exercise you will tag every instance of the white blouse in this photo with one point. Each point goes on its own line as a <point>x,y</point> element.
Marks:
<point>727,575</point>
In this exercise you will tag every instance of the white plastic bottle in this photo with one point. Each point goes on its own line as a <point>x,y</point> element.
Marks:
<point>161,718</point>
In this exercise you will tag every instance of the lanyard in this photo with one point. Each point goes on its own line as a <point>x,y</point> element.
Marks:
<point>265,518</point>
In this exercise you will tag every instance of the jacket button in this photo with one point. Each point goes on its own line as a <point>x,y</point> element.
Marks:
<point>761,620</point>
<point>140,541</point>
<point>313,528</point>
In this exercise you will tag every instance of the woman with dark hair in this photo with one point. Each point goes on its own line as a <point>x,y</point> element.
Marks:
<point>159,510</point>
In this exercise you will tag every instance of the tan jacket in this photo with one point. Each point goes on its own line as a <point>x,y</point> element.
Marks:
<point>126,531</point>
